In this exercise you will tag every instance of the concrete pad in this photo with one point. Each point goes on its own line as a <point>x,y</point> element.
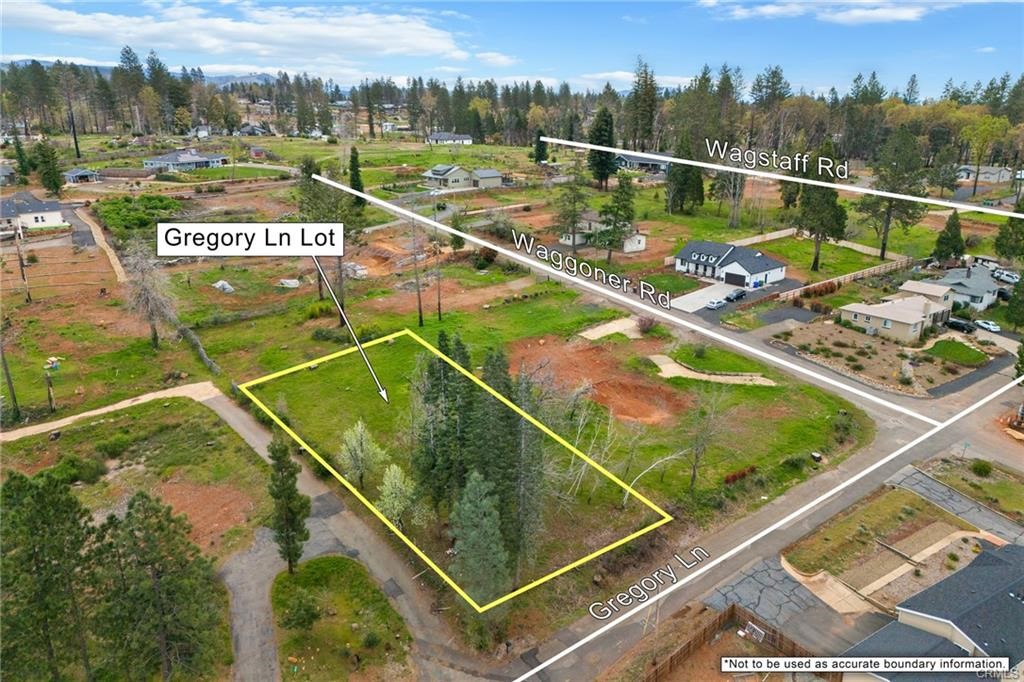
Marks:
<point>667,367</point>
<point>626,326</point>
<point>695,300</point>
<point>1004,342</point>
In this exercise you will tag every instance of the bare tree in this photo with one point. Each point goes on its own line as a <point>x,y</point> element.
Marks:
<point>147,290</point>
<point>417,249</point>
<point>709,420</point>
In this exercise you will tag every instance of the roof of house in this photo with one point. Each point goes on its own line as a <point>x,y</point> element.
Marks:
<point>925,288</point>
<point>75,172</point>
<point>984,599</point>
<point>900,639</point>
<point>486,173</point>
<point>633,158</point>
<point>442,136</point>
<point>907,310</point>
<point>185,156</point>
<point>720,255</point>
<point>23,202</point>
<point>974,281</point>
<point>441,170</point>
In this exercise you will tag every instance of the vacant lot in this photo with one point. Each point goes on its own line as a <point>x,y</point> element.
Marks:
<point>359,635</point>
<point>1001,489</point>
<point>798,254</point>
<point>175,449</point>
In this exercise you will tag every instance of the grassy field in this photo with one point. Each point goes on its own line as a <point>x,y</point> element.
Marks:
<point>707,358</point>
<point>236,173</point>
<point>358,634</point>
<point>842,540</point>
<point>176,449</point>
<point>706,222</point>
<point>799,254</point>
<point>676,285</point>
<point>1002,489</point>
<point>958,353</point>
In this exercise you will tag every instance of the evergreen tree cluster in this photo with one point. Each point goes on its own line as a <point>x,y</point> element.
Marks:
<point>128,598</point>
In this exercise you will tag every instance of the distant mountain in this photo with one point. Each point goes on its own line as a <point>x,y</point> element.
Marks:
<point>215,80</point>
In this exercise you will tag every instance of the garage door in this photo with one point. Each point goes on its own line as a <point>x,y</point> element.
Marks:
<point>735,278</point>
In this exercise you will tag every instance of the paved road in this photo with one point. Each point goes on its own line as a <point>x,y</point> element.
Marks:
<point>81,234</point>
<point>956,503</point>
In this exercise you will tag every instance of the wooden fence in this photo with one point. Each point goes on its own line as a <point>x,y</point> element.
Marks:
<point>734,615</point>
<point>900,263</point>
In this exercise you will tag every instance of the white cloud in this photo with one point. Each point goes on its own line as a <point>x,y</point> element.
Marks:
<point>271,32</point>
<point>496,58</point>
<point>81,61</point>
<point>988,49</point>
<point>630,19</point>
<point>848,12</point>
<point>447,69</point>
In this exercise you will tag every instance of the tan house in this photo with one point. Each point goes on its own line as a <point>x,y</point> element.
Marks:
<point>936,293</point>
<point>447,176</point>
<point>591,223</point>
<point>901,319</point>
<point>977,611</point>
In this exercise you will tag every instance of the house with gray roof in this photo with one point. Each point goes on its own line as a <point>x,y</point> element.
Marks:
<point>977,611</point>
<point>973,286</point>
<point>80,175</point>
<point>449,138</point>
<point>184,160</point>
<point>739,265</point>
<point>486,178</point>
<point>8,176</point>
<point>447,176</point>
<point>633,162</point>
<point>22,212</point>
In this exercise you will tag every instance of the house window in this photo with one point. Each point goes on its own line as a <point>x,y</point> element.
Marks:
<point>693,256</point>
<point>711,259</point>
<point>887,324</point>
<point>36,218</point>
<point>856,316</point>
<point>703,257</point>
<point>867,318</point>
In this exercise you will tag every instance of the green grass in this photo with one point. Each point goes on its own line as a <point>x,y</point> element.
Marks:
<point>236,173</point>
<point>957,353</point>
<point>707,358</point>
<point>1002,490</point>
<point>175,439</point>
<point>748,319</point>
<point>340,643</point>
<point>843,540</point>
<point>673,284</point>
<point>799,254</point>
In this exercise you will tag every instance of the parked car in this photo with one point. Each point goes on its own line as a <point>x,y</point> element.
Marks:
<point>715,304</point>
<point>1008,276</point>
<point>735,295</point>
<point>965,326</point>
<point>1003,294</point>
<point>989,326</point>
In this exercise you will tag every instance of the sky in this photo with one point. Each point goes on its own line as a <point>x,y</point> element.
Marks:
<point>819,43</point>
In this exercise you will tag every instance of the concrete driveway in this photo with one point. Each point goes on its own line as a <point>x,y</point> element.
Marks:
<point>695,300</point>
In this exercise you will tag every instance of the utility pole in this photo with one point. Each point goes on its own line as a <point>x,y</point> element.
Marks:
<point>49,392</point>
<point>15,410</point>
<point>21,266</point>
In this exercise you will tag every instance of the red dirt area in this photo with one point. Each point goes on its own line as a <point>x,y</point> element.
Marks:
<point>453,296</point>
<point>211,509</point>
<point>628,395</point>
<point>533,220</point>
<point>937,221</point>
<point>58,272</point>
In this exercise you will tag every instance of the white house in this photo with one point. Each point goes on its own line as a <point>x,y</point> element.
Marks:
<point>971,286</point>
<point>737,265</point>
<point>590,224</point>
<point>23,213</point>
<point>184,160</point>
<point>449,138</point>
<point>633,162</point>
<point>446,176</point>
<point>985,173</point>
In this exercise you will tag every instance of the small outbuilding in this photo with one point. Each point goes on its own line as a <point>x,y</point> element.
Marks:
<point>78,176</point>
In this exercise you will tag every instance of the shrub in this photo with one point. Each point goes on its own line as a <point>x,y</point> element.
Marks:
<point>980,467</point>
<point>319,309</point>
<point>336,334</point>
<point>114,447</point>
<point>371,639</point>
<point>857,367</point>
<point>906,380</point>
<point>953,556</point>
<point>31,257</point>
<point>72,468</point>
<point>484,257</point>
<point>700,350</point>
<point>798,302</point>
<point>794,463</point>
<point>843,426</point>
<point>645,324</point>
<point>331,139</point>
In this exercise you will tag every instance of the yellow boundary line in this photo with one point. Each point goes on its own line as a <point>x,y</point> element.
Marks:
<point>665,517</point>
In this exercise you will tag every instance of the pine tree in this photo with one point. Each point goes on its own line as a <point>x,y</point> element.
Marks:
<point>789,192</point>
<point>540,147</point>
<point>1009,243</point>
<point>943,171</point>
<point>23,162</point>
<point>47,577</point>
<point>572,202</point>
<point>821,215</point>
<point>157,590</point>
<point>360,455</point>
<point>602,132</point>
<point>617,216</point>
<point>530,479</point>
<point>291,508</point>
<point>684,184</point>
<point>899,169</point>
<point>481,562</point>
<point>950,242</point>
<point>48,167</point>
<point>1015,306</point>
<point>355,178</point>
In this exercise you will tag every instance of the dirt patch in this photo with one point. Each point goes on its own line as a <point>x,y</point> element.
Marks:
<point>453,296</point>
<point>59,271</point>
<point>936,221</point>
<point>212,510</point>
<point>534,220</point>
<point>629,395</point>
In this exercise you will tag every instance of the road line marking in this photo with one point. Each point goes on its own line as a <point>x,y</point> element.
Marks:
<point>792,516</point>
<point>965,208</point>
<point>622,298</point>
